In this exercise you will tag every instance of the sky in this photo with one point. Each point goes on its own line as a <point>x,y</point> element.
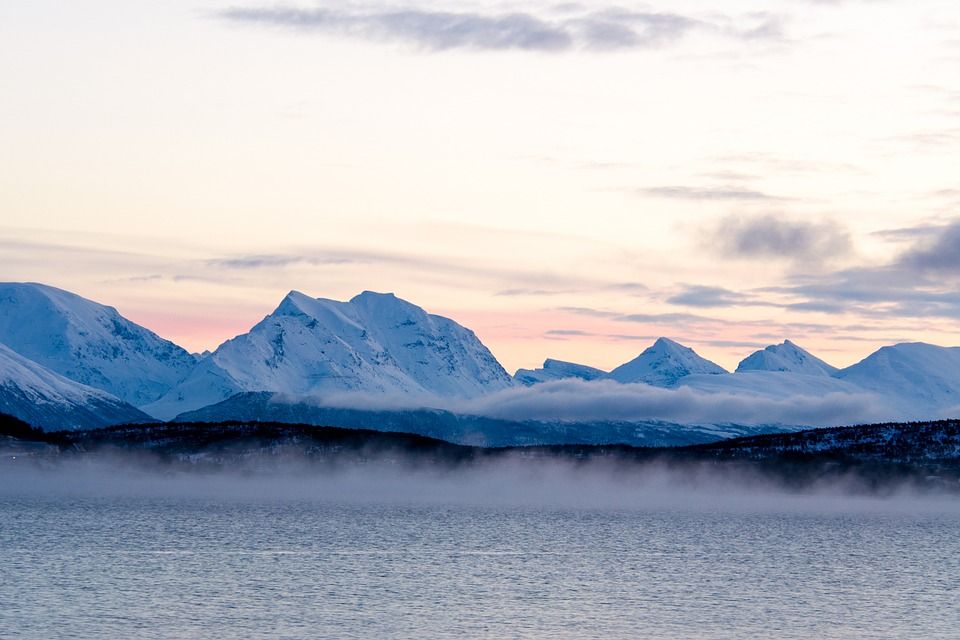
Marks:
<point>568,180</point>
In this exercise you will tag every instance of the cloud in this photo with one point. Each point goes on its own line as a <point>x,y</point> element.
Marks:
<point>531,292</point>
<point>436,30</point>
<point>619,29</point>
<point>670,318</point>
<point>920,282</point>
<point>606,400</point>
<point>630,288</point>
<point>477,272</point>
<point>587,311</point>
<point>572,27</point>
<point>937,253</point>
<point>725,194</point>
<point>567,332</point>
<point>720,343</point>
<point>776,237</point>
<point>909,234</point>
<point>277,261</point>
<point>703,296</point>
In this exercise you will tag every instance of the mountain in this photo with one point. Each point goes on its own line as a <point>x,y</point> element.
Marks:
<point>375,343</point>
<point>558,370</point>
<point>922,379</point>
<point>774,385</point>
<point>89,343</point>
<point>467,429</point>
<point>36,395</point>
<point>663,364</point>
<point>786,357</point>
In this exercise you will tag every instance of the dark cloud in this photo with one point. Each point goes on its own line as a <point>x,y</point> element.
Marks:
<point>936,253</point>
<point>776,237</point>
<point>922,282</point>
<point>731,194</point>
<point>574,27</point>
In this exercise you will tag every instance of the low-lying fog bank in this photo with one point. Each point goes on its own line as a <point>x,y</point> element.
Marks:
<point>513,479</point>
<point>302,461</point>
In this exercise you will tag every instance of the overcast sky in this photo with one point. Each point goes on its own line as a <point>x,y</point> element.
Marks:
<point>568,180</point>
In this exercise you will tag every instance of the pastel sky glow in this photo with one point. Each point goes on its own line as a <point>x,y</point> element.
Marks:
<point>568,180</point>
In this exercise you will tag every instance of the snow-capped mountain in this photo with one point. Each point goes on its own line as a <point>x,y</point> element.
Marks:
<point>375,343</point>
<point>786,357</point>
<point>402,356</point>
<point>89,343</point>
<point>558,370</point>
<point>46,399</point>
<point>922,379</point>
<point>663,364</point>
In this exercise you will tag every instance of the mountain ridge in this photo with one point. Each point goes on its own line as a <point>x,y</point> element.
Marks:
<point>377,343</point>
<point>89,342</point>
<point>374,343</point>
<point>43,398</point>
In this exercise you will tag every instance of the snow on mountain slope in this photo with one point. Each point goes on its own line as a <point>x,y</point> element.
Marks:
<point>922,379</point>
<point>373,343</point>
<point>558,370</point>
<point>771,384</point>
<point>786,357</point>
<point>89,343</point>
<point>663,364</point>
<point>45,399</point>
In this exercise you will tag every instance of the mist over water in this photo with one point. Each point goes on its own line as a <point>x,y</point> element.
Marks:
<point>514,548</point>
<point>513,480</point>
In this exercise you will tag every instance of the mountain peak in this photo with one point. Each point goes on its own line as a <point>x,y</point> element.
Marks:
<point>786,356</point>
<point>663,364</point>
<point>373,295</point>
<point>295,302</point>
<point>666,344</point>
<point>88,342</point>
<point>373,343</point>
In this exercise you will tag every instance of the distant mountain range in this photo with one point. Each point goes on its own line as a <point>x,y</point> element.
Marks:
<point>68,362</point>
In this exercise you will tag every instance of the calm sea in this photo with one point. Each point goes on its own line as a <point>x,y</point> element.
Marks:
<point>162,565</point>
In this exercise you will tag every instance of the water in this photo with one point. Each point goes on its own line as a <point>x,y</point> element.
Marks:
<point>167,566</point>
